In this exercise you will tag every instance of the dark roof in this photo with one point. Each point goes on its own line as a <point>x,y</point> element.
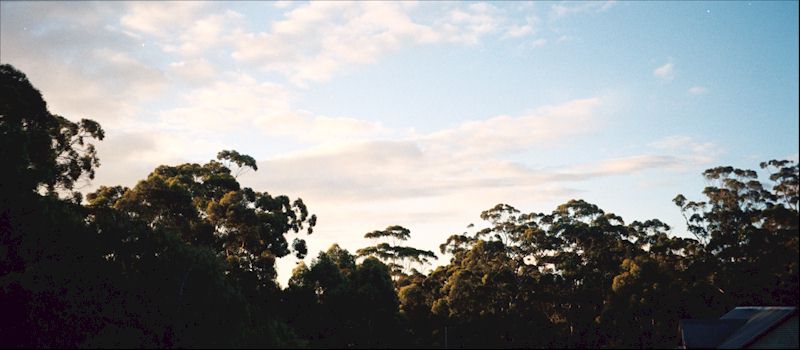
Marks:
<point>737,329</point>
<point>760,320</point>
<point>703,334</point>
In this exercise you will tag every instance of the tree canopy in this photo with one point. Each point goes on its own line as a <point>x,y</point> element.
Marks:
<point>186,258</point>
<point>399,258</point>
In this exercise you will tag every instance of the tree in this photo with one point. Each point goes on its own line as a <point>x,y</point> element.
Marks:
<point>45,249</point>
<point>206,206</point>
<point>749,230</point>
<point>118,273</point>
<point>242,161</point>
<point>40,150</point>
<point>337,303</point>
<point>399,258</point>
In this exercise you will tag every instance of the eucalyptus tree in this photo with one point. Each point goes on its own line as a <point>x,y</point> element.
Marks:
<point>400,259</point>
<point>41,151</point>
<point>335,302</point>
<point>94,276</point>
<point>749,230</point>
<point>206,206</point>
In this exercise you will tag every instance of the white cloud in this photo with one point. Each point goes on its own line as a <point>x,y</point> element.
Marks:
<point>234,101</point>
<point>691,151</point>
<point>607,5</point>
<point>204,34</point>
<point>430,183</point>
<point>517,31</point>
<point>187,28</point>
<point>414,183</point>
<point>354,33</point>
<point>665,72</point>
<point>187,101</point>
<point>237,101</point>
<point>697,90</point>
<point>564,9</point>
<point>538,43</point>
<point>627,165</point>
<point>313,41</point>
<point>441,173</point>
<point>127,155</point>
<point>194,72</point>
<point>84,66</point>
<point>465,158</point>
<point>470,24</point>
<point>512,134</point>
<point>319,129</point>
<point>282,4</point>
<point>161,19</point>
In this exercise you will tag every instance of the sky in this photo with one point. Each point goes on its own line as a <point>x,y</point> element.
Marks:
<point>424,114</point>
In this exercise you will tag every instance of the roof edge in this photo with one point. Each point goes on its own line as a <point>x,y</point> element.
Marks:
<point>772,326</point>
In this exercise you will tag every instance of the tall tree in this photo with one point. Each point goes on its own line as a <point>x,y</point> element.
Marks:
<point>401,259</point>
<point>206,206</point>
<point>344,304</point>
<point>749,230</point>
<point>113,273</point>
<point>40,150</point>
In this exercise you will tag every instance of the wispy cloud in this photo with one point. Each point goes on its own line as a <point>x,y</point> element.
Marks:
<point>441,173</point>
<point>308,42</point>
<point>81,85</point>
<point>698,90</point>
<point>512,133</point>
<point>320,129</point>
<point>693,152</point>
<point>354,33</point>
<point>194,72</point>
<point>538,43</point>
<point>665,72</point>
<point>566,8</point>
<point>523,29</point>
<point>282,4</point>
<point>469,157</point>
<point>468,25</point>
<point>162,20</point>
<point>233,102</point>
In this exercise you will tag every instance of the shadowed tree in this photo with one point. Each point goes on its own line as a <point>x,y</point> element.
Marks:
<point>186,259</point>
<point>242,161</point>
<point>116,273</point>
<point>40,151</point>
<point>400,259</point>
<point>45,249</point>
<point>206,206</point>
<point>749,233</point>
<point>337,303</point>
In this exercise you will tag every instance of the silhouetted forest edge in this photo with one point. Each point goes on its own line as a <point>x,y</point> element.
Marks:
<point>186,258</point>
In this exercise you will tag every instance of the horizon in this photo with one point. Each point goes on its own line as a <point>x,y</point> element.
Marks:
<point>425,114</point>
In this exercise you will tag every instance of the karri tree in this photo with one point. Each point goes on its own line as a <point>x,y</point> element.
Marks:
<point>400,259</point>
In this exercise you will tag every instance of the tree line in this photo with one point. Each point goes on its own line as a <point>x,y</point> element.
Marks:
<point>186,258</point>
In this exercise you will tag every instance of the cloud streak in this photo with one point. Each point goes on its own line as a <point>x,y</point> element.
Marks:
<point>470,156</point>
<point>698,90</point>
<point>665,72</point>
<point>354,33</point>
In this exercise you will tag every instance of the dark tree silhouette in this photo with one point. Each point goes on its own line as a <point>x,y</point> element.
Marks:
<point>186,258</point>
<point>400,259</point>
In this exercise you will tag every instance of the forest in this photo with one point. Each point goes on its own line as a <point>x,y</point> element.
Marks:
<point>186,258</point>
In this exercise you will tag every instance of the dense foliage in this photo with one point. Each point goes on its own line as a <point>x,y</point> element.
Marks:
<point>186,258</point>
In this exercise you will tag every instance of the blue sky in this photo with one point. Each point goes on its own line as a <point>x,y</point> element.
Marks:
<point>425,114</point>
